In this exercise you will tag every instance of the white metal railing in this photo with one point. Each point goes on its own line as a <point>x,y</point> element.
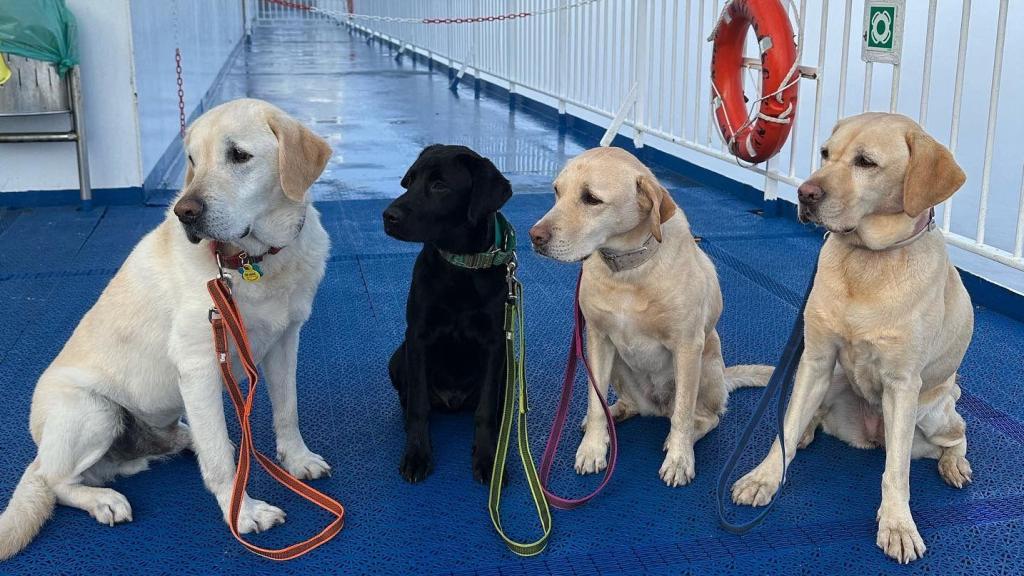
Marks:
<point>641,66</point>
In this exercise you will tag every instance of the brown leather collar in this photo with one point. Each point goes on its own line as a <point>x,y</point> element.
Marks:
<point>239,259</point>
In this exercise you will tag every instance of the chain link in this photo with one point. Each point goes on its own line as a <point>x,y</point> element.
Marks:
<point>334,14</point>
<point>181,91</point>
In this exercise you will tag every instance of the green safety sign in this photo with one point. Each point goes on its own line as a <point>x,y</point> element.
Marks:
<point>883,31</point>
<point>882,21</point>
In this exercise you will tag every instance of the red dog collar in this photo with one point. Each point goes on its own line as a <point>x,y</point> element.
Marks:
<point>241,258</point>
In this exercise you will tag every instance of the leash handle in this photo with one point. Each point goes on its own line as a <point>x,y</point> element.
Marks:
<point>780,383</point>
<point>227,323</point>
<point>515,384</point>
<point>576,352</point>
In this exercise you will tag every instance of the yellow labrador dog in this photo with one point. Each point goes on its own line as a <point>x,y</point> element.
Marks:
<point>651,300</point>
<point>142,357</point>
<point>888,320</point>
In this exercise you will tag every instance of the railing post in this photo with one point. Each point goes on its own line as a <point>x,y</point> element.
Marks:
<point>510,49</point>
<point>993,113</point>
<point>640,67</point>
<point>454,85</point>
<point>958,87</point>
<point>562,57</point>
<point>620,117</point>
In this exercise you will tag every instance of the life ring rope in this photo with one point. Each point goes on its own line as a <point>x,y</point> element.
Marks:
<point>791,78</point>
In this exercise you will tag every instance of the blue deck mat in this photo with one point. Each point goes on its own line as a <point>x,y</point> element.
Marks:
<point>54,263</point>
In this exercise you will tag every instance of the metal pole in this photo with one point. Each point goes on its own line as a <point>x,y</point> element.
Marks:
<point>81,142</point>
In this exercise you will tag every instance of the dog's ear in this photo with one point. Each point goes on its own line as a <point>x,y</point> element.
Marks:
<point>490,188</point>
<point>407,179</point>
<point>932,174</point>
<point>301,155</point>
<point>652,194</point>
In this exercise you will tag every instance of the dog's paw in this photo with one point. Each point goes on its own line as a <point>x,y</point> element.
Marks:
<point>807,438</point>
<point>678,469</point>
<point>898,536</point>
<point>110,507</point>
<point>182,438</point>
<point>622,411</point>
<point>258,516</point>
<point>955,470</point>
<point>305,465</point>
<point>590,456</point>
<point>417,463</point>
<point>757,487</point>
<point>483,463</point>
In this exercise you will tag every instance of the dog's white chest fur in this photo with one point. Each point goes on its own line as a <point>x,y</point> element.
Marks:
<point>643,369</point>
<point>862,363</point>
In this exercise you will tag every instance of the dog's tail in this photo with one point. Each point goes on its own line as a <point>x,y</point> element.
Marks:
<point>747,376</point>
<point>30,507</point>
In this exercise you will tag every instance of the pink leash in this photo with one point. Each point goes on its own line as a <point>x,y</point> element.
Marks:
<point>558,424</point>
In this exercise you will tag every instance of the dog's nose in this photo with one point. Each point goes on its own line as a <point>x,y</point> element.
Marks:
<point>189,209</point>
<point>540,234</point>
<point>810,193</point>
<point>392,215</point>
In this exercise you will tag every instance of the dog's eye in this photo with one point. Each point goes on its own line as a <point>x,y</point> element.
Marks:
<point>862,161</point>
<point>190,160</point>
<point>589,199</point>
<point>238,156</point>
<point>824,153</point>
<point>437,186</point>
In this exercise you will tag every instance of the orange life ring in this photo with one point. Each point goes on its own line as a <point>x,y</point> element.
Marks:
<point>758,138</point>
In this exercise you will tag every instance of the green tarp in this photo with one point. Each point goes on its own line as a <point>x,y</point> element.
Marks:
<point>40,29</point>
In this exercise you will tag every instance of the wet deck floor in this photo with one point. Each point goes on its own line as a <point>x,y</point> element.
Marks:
<point>377,113</point>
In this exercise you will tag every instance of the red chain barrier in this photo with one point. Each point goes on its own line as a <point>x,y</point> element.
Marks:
<point>475,19</point>
<point>181,91</point>
<point>288,4</point>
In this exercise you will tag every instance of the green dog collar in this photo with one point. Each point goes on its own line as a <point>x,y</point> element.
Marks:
<point>500,254</point>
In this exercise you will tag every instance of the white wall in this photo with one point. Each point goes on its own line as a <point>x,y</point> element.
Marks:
<point>130,90</point>
<point>104,44</point>
<point>206,32</point>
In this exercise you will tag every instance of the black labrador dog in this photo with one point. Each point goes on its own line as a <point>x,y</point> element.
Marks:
<point>452,357</point>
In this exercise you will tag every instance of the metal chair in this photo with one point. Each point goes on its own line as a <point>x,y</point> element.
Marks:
<point>35,88</point>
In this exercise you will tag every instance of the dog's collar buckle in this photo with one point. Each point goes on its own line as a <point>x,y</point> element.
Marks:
<point>619,261</point>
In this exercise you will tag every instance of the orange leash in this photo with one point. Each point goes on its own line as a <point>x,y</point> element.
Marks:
<point>227,322</point>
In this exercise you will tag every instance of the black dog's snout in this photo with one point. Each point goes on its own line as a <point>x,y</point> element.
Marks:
<point>392,215</point>
<point>189,209</point>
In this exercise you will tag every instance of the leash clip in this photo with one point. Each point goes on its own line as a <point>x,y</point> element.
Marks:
<point>221,274</point>
<point>510,277</point>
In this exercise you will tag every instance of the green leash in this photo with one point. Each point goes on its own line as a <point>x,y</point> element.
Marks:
<point>515,382</point>
<point>503,253</point>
